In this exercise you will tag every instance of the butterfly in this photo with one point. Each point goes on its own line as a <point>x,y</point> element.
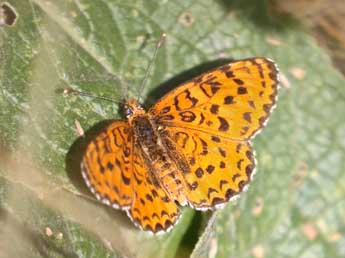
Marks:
<point>193,147</point>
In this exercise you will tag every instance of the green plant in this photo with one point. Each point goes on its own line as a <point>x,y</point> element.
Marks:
<point>295,205</point>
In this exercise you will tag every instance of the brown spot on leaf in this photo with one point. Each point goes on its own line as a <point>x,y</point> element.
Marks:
<point>310,231</point>
<point>186,19</point>
<point>258,206</point>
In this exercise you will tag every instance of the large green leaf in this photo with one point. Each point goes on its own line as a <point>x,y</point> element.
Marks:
<point>294,207</point>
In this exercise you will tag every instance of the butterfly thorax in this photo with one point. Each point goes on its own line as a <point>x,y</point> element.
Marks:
<point>162,165</point>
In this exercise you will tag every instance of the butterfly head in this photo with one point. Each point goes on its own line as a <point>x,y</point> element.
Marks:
<point>132,107</point>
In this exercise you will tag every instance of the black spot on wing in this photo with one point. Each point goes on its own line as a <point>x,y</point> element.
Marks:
<point>251,103</point>
<point>242,90</point>
<point>229,100</point>
<point>215,138</point>
<point>165,110</point>
<point>149,197</point>
<point>239,162</point>
<point>202,118</point>
<point>238,81</point>
<point>187,96</point>
<point>224,125</point>
<point>235,176</point>
<point>210,191</point>
<point>193,185</point>
<point>192,161</point>
<point>247,117</point>
<point>230,193</point>
<point>249,170</point>
<point>214,109</point>
<point>199,172</point>
<point>187,116</point>
<point>222,152</point>
<point>204,147</point>
<point>222,183</point>
<point>210,169</point>
<point>110,166</point>
<point>158,227</point>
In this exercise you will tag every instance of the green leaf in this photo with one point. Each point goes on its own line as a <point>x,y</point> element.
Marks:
<point>293,208</point>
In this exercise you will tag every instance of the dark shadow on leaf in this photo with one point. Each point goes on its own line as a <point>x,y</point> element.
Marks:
<point>191,236</point>
<point>75,155</point>
<point>260,12</point>
<point>183,77</point>
<point>73,161</point>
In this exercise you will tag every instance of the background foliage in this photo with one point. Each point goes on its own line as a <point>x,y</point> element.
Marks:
<point>295,207</point>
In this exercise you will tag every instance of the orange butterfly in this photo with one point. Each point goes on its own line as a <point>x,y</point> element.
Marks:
<point>191,148</point>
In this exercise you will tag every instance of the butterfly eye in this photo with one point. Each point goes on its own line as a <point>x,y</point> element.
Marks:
<point>128,111</point>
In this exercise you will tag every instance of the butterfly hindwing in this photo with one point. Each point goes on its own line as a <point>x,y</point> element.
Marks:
<point>107,166</point>
<point>151,209</point>
<point>219,169</point>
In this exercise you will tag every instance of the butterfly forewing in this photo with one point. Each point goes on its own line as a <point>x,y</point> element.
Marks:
<point>233,101</point>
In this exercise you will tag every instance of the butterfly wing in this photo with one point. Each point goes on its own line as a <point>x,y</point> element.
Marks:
<point>152,209</point>
<point>115,172</point>
<point>219,169</point>
<point>211,119</point>
<point>233,101</point>
<point>106,165</point>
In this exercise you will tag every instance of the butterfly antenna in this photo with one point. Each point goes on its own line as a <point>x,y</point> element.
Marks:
<point>69,91</point>
<point>149,67</point>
